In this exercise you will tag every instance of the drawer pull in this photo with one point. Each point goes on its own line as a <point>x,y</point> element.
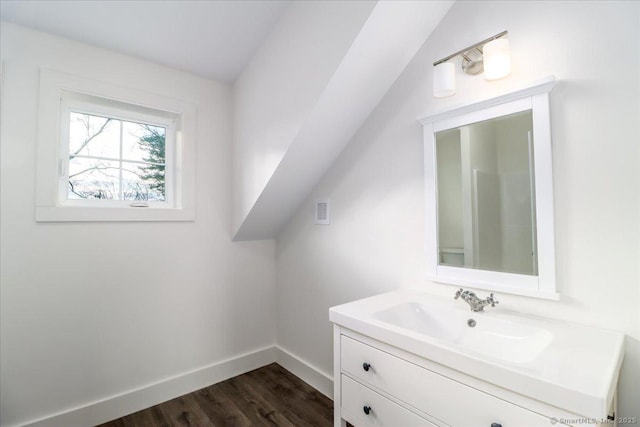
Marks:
<point>496,425</point>
<point>366,366</point>
<point>367,409</point>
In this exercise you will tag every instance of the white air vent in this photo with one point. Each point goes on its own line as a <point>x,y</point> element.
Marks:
<point>323,212</point>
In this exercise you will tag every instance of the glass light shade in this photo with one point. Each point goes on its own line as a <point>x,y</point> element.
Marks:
<point>444,79</point>
<point>497,59</point>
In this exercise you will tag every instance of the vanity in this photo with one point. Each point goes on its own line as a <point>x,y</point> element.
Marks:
<point>407,358</point>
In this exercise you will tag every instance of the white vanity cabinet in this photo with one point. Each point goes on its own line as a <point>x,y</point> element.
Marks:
<point>381,387</point>
<point>406,358</point>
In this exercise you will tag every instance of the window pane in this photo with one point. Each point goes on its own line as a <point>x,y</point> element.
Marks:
<point>94,136</point>
<point>143,182</point>
<point>115,159</point>
<point>142,142</point>
<point>93,179</point>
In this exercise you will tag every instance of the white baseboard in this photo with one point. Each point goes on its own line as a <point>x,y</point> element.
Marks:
<point>107,409</point>
<point>134,400</point>
<point>306,372</point>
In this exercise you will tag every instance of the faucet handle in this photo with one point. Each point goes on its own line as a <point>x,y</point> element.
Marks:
<point>492,300</point>
<point>458,293</point>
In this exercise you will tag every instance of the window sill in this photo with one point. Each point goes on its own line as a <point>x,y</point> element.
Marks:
<point>111,214</point>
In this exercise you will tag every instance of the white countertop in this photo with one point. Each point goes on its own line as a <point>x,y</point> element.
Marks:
<point>576,371</point>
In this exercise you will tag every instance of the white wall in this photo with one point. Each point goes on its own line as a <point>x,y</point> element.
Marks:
<point>91,310</point>
<point>375,242</point>
<point>279,88</point>
<point>284,101</point>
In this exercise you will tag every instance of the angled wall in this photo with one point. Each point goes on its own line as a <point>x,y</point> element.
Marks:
<point>281,85</point>
<point>286,141</point>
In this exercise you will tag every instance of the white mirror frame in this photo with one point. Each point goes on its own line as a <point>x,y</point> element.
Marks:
<point>535,98</point>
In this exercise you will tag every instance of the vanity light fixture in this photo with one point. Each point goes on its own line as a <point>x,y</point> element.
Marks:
<point>490,55</point>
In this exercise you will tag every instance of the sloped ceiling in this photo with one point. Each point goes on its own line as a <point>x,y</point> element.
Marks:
<point>293,162</point>
<point>213,39</point>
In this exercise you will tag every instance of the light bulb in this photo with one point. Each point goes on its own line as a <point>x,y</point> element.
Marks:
<point>444,79</point>
<point>497,59</point>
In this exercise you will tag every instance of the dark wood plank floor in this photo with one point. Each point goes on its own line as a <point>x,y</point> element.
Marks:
<point>269,396</point>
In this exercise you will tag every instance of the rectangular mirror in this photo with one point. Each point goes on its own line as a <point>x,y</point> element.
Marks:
<point>486,198</point>
<point>489,192</point>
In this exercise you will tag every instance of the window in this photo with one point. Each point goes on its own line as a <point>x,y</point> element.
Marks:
<point>112,158</point>
<point>114,154</point>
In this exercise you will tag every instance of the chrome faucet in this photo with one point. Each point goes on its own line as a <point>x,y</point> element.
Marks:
<point>474,302</point>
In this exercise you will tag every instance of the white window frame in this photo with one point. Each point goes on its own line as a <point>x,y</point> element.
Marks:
<point>62,93</point>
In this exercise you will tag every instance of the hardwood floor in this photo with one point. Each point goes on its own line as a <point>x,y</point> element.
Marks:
<point>269,396</point>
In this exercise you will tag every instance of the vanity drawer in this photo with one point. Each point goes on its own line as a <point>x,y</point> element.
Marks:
<point>440,397</point>
<point>382,411</point>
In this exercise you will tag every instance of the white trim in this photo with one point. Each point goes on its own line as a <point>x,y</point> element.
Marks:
<point>128,402</point>
<point>530,291</point>
<point>119,405</point>
<point>86,214</point>
<point>488,113</point>
<point>53,84</point>
<point>305,371</point>
<point>543,166</point>
<point>541,86</point>
<point>536,98</point>
<point>337,371</point>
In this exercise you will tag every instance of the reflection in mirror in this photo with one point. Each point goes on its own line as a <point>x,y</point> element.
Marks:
<point>486,195</point>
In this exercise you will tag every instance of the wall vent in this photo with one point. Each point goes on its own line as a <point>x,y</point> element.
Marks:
<point>323,212</point>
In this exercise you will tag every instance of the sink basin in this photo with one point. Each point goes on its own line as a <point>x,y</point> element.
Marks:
<point>557,362</point>
<point>491,337</point>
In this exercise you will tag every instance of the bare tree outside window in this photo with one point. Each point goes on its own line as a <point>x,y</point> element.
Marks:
<point>115,159</point>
